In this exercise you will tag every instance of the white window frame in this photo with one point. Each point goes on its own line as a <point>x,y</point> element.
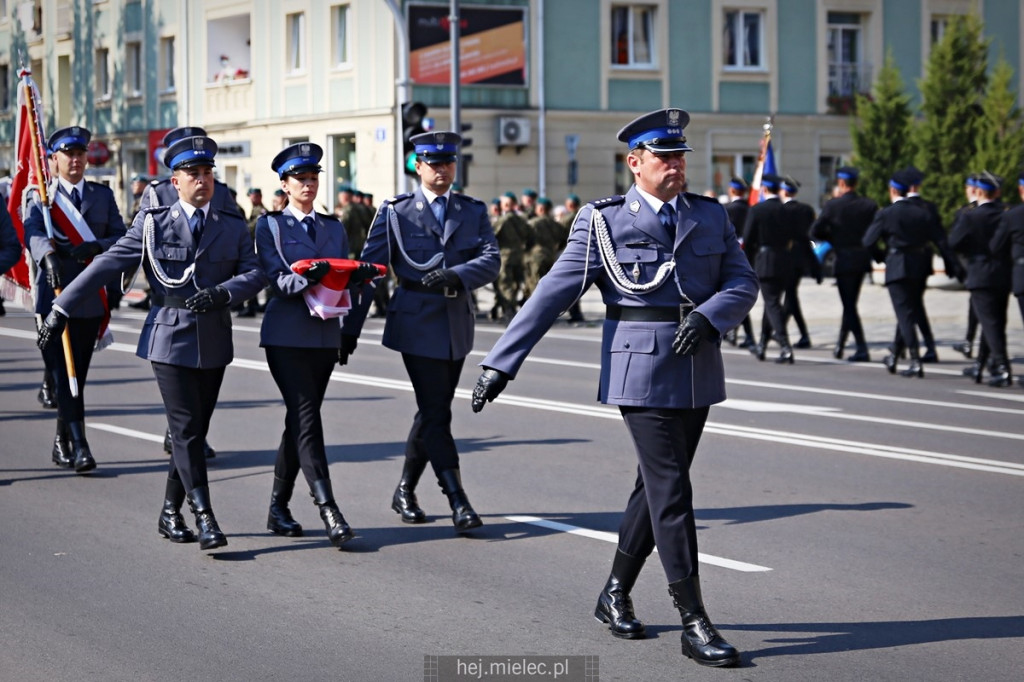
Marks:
<point>295,43</point>
<point>738,37</point>
<point>134,68</point>
<point>103,81</point>
<point>167,66</point>
<point>5,89</point>
<point>631,12</point>
<point>341,35</point>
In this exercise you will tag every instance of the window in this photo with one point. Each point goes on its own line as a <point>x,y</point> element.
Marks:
<point>296,40</point>
<point>5,88</point>
<point>166,74</point>
<point>847,74</point>
<point>743,40</point>
<point>724,166</point>
<point>633,35</point>
<point>103,73</point>
<point>228,52</point>
<point>133,69</point>
<point>339,49</point>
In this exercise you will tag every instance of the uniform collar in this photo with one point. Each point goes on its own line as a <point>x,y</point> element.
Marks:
<point>67,186</point>
<point>298,215</point>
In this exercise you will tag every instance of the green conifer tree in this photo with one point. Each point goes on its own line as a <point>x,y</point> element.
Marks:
<point>1001,139</point>
<point>952,92</point>
<point>881,132</point>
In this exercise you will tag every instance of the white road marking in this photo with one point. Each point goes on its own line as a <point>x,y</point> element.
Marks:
<point>614,539</point>
<point>131,433</point>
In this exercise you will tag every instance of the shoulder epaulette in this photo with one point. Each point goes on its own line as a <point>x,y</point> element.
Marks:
<point>400,197</point>
<point>472,200</point>
<point>714,200</point>
<point>155,182</point>
<point>616,200</point>
<point>155,209</point>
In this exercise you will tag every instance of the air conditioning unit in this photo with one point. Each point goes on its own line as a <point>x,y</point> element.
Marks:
<point>513,131</point>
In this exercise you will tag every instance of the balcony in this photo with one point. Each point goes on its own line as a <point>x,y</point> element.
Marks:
<point>846,79</point>
<point>228,101</point>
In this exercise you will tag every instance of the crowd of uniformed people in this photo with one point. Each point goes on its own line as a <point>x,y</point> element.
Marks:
<point>678,273</point>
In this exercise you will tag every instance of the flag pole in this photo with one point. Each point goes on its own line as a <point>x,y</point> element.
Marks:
<point>42,177</point>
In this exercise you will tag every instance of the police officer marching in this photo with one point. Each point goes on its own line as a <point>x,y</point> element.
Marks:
<point>301,348</point>
<point>673,278</point>
<point>197,260</point>
<point>441,247</point>
<point>93,224</point>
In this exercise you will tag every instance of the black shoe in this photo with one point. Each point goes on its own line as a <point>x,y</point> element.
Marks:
<point>930,356</point>
<point>62,453</point>
<point>463,515</point>
<point>700,640</point>
<point>338,531</point>
<point>973,371</point>
<point>966,348</point>
<point>803,342</point>
<point>746,343</point>
<point>730,337</point>
<point>404,500</point>
<point>210,534</point>
<point>890,363</point>
<point>1001,377</point>
<point>837,352</point>
<point>84,461</point>
<point>914,370</point>
<point>757,350</point>
<point>46,397</point>
<point>860,356</point>
<point>171,523</point>
<point>614,605</point>
<point>786,357</point>
<point>279,518</point>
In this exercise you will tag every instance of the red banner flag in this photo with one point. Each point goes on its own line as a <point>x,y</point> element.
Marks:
<point>765,165</point>
<point>16,285</point>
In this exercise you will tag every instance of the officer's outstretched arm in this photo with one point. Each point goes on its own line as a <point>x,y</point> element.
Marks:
<point>490,384</point>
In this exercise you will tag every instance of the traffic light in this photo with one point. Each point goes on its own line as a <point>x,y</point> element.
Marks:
<point>413,114</point>
<point>462,171</point>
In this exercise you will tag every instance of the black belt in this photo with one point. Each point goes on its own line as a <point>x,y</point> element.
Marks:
<point>165,301</point>
<point>420,288</point>
<point>649,314</point>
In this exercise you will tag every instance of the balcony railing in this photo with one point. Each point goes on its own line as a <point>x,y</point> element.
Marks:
<point>229,101</point>
<point>845,79</point>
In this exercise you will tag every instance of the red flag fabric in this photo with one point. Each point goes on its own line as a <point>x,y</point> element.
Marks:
<point>765,165</point>
<point>16,285</point>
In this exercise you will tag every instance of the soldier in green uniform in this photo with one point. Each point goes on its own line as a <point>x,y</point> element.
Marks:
<point>548,239</point>
<point>354,218</point>
<point>513,235</point>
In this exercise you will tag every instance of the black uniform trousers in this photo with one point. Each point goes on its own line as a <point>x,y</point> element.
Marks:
<point>990,307</point>
<point>849,293</point>
<point>302,375</point>
<point>772,291</point>
<point>923,324</point>
<point>189,396</point>
<point>434,382</point>
<point>906,296</point>
<point>792,303</point>
<point>660,509</point>
<point>83,331</point>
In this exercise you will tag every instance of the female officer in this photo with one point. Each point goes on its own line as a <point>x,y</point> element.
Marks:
<point>301,347</point>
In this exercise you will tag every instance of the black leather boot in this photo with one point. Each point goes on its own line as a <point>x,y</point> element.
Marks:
<point>62,454</point>
<point>463,515</point>
<point>786,356</point>
<point>840,347</point>
<point>210,535</point>
<point>80,447</point>
<point>614,605</point>
<point>890,363</point>
<point>916,369</point>
<point>404,500</point>
<point>1001,376</point>
<point>758,349</point>
<point>860,355</point>
<point>338,532</point>
<point>966,347</point>
<point>700,640</point>
<point>279,518</point>
<point>171,524</point>
<point>46,396</point>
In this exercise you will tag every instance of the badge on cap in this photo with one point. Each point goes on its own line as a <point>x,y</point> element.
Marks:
<point>673,117</point>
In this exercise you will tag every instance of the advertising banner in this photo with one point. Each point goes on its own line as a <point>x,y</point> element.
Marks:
<point>492,45</point>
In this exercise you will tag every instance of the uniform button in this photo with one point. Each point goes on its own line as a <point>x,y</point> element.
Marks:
<point>627,344</point>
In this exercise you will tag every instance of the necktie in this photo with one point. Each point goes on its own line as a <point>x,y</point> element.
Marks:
<point>76,198</point>
<point>667,215</point>
<point>310,229</point>
<point>197,226</point>
<point>438,207</point>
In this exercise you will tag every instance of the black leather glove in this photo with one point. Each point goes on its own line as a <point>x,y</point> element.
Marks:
<point>317,271</point>
<point>85,251</point>
<point>442,277</point>
<point>691,332</point>
<point>53,271</point>
<point>51,328</point>
<point>211,298</point>
<point>347,348</point>
<point>364,272</point>
<point>490,384</point>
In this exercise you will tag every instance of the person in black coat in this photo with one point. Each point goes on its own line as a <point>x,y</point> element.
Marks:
<point>805,263</point>
<point>770,236</point>
<point>907,229</point>
<point>988,274</point>
<point>1010,235</point>
<point>842,223</point>
<point>737,209</point>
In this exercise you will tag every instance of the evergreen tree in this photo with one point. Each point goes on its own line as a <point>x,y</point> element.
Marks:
<point>881,132</point>
<point>1001,139</point>
<point>952,92</point>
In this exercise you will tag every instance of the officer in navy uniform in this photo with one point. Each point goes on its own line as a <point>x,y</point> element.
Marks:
<point>801,217</point>
<point>989,275</point>
<point>162,193</point>
<point>441,247</point>
<point>1010,236</point>
<point>770,236</point>
<point>301,348</point>
<point>197,260</point>
<point>737,208</point>
<point>673,277</point>
<point>61,261</point>
<point>907,229</point>
<point>842,223</point>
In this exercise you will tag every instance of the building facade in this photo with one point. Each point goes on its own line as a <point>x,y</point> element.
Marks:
<point>546,83</point>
